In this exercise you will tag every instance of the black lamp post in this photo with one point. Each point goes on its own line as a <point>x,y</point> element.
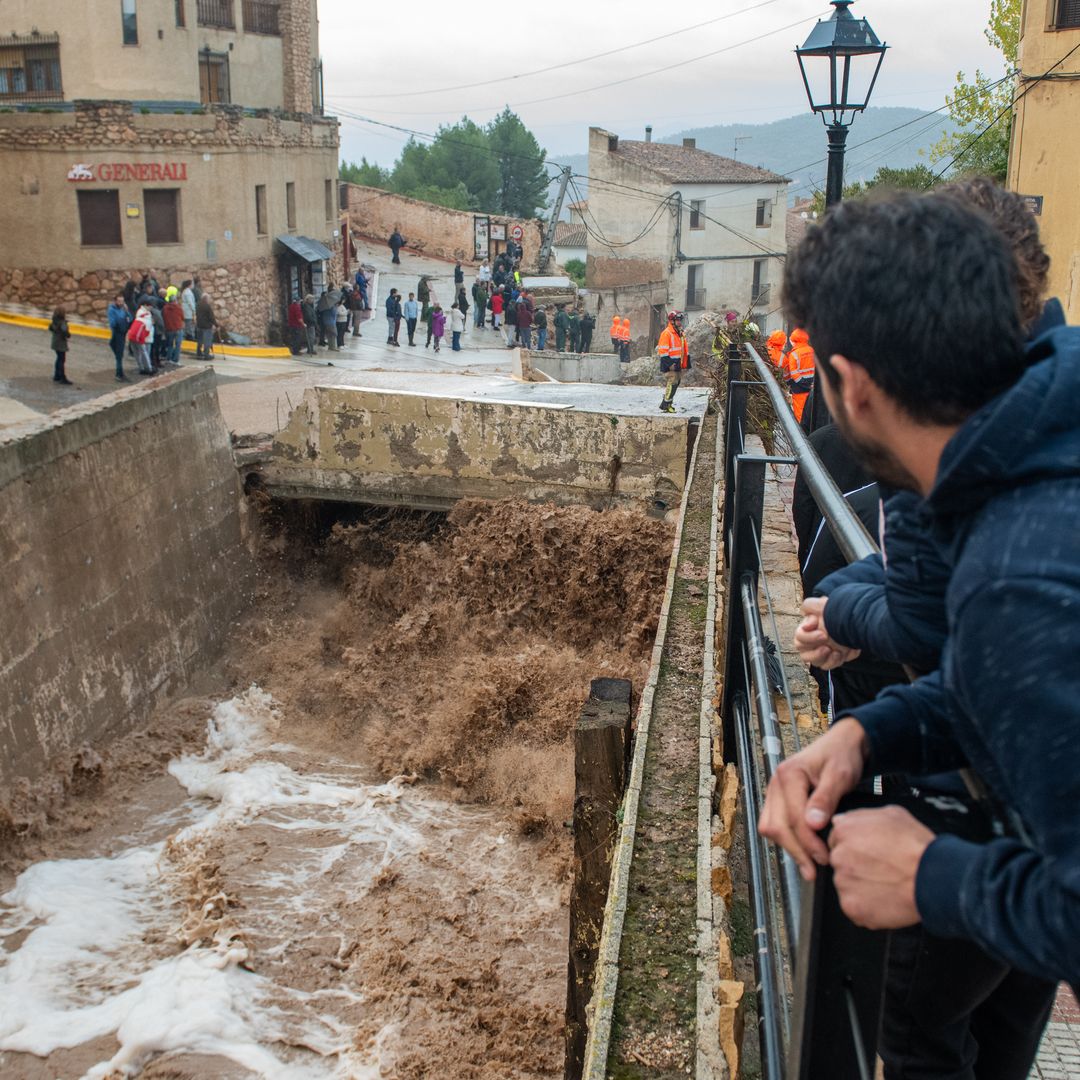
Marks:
<point>843,84</point>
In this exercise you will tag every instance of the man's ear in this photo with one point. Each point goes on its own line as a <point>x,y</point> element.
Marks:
<point>856,386</point>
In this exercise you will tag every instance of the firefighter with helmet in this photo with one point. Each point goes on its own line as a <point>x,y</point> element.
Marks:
<point>674,357</point>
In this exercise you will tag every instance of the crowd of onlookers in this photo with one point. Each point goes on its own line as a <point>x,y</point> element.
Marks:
<point>147,323</point>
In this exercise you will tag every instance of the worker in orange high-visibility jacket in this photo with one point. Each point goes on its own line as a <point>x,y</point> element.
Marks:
<point>624,341</point>
<point>799,371</point>
<point>616,333</point>
<point>674,356</point>
<point>776,343</point>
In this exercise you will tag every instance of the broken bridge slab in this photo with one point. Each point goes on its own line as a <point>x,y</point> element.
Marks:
<point>394,439</point>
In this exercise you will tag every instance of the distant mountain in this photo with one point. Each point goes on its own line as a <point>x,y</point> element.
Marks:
<point>796,147</point>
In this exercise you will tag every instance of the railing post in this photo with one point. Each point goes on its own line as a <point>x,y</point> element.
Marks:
<point>747,492</point>
<point>839,988</point>
<point>734,432</point>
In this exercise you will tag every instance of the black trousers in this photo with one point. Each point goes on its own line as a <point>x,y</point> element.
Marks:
<point>410,325</point>
<point>952,1012</point>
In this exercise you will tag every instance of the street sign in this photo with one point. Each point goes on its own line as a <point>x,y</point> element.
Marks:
<point>517,232</point>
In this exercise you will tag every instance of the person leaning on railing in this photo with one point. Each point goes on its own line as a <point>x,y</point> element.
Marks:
<point>988,435</point>
<point>950,1008</point>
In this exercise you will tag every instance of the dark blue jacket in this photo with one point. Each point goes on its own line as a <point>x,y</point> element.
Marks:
<point>119,317</point>
<point>393,307</point>
<point>899,615</point>
<point>1005,511</point>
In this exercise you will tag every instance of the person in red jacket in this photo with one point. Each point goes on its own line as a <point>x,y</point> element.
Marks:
<point>496,305</point>
<point>172,315</point>
<point>296,326</point>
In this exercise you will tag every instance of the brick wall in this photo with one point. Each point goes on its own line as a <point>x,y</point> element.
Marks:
<point>433,230</point>
<point>121,564</point>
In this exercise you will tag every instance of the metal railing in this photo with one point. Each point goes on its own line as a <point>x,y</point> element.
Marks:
<point>820,979</point>
<point>262,17</point>
<point>219,13</point>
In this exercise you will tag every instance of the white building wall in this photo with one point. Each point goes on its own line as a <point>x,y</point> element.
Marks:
<point>733,231</point>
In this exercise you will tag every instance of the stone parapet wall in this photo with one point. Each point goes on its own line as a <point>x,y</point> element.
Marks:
<point>121,564</point>
<point>430,229</point>
<point>99,125</point>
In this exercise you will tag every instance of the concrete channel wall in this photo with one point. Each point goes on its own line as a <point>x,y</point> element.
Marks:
<point>120,563</point>
<point>427,451</point>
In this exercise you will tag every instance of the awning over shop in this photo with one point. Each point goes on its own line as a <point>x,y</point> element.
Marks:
<point>307,249</point>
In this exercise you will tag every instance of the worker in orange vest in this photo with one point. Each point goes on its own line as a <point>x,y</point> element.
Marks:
<point>674,357</point>
<point>799,371</point>
<point>616,332</point>
<point>776,342</point>
<point>624,341</point>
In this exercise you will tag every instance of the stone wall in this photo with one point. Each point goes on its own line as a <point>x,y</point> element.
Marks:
<point>245,294</point>
<point>427,451</point>
<point>430,229</point>
<point>105,124</point>
<point>300,49</point>
<point>121,564</point>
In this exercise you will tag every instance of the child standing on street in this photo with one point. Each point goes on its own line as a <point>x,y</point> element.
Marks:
<point>438,324</point>
<point>60,336</point>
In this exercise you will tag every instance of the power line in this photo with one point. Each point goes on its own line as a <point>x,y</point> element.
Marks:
<point>565,63</point>
<point>1009,108</point>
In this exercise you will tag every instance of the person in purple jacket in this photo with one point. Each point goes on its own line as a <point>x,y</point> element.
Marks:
<point>438,325</point>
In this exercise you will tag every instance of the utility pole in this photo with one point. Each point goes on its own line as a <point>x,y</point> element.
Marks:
<point>739,139</point>
<point>677,209</point>
<point>556,211</point>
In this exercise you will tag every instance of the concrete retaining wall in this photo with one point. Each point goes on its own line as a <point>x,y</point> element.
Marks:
<point>392,447</point>
<point>120,563</point>
<point>568,367</point>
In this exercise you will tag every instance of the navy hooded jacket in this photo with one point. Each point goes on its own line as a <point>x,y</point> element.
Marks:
<point>1005,510</point>
<point>899,615</point>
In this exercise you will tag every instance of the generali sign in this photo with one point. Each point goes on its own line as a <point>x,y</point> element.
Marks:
<point>139,172</point>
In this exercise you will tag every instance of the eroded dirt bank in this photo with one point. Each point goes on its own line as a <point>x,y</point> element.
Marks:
<point>358,927</point>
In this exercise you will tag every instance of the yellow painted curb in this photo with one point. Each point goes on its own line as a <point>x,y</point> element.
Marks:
<point>32,322</point>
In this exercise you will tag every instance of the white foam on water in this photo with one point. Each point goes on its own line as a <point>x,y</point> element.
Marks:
<point>91,961</point>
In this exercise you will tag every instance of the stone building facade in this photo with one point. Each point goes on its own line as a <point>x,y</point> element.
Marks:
<point>182,138</point>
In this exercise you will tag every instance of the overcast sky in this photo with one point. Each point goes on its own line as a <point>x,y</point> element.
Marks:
<point>374,50</point>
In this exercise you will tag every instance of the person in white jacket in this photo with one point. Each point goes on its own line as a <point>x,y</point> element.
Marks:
<point>457,325</point>
<point>187,305</point>
<point>141,335</point>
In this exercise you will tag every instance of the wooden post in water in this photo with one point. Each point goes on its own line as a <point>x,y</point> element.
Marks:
<point>602,742</point>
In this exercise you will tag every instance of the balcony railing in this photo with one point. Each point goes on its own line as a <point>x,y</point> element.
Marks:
<point>262,17</point>
<point>219,13</point>
<point>30,68</point>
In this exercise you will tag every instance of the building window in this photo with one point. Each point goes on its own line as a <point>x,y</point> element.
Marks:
<point>697,214</point>
<point>290,204</point>
<point>329,196</point>
<point>99,217</point>
<point>764,213</point>
<point>759,293</point>
<point>30,69</point>
<point>260,210</point>
<point>130,19</point>
<point>214,78</point>
<point>217,13</point>
<point>181,15</point>
<point>1068,15</point>
<point>162,209</point>
<point>695,293</point>
<point>262,17</point>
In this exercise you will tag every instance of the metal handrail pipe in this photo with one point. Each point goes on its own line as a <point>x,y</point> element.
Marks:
<point>772,747</point>
<point>850,533</point>
<point>770,998</point>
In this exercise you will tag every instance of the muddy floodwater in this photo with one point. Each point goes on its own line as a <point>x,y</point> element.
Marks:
<point>351,859</point>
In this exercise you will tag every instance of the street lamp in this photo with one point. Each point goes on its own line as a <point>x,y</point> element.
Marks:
<point>840,88</point>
